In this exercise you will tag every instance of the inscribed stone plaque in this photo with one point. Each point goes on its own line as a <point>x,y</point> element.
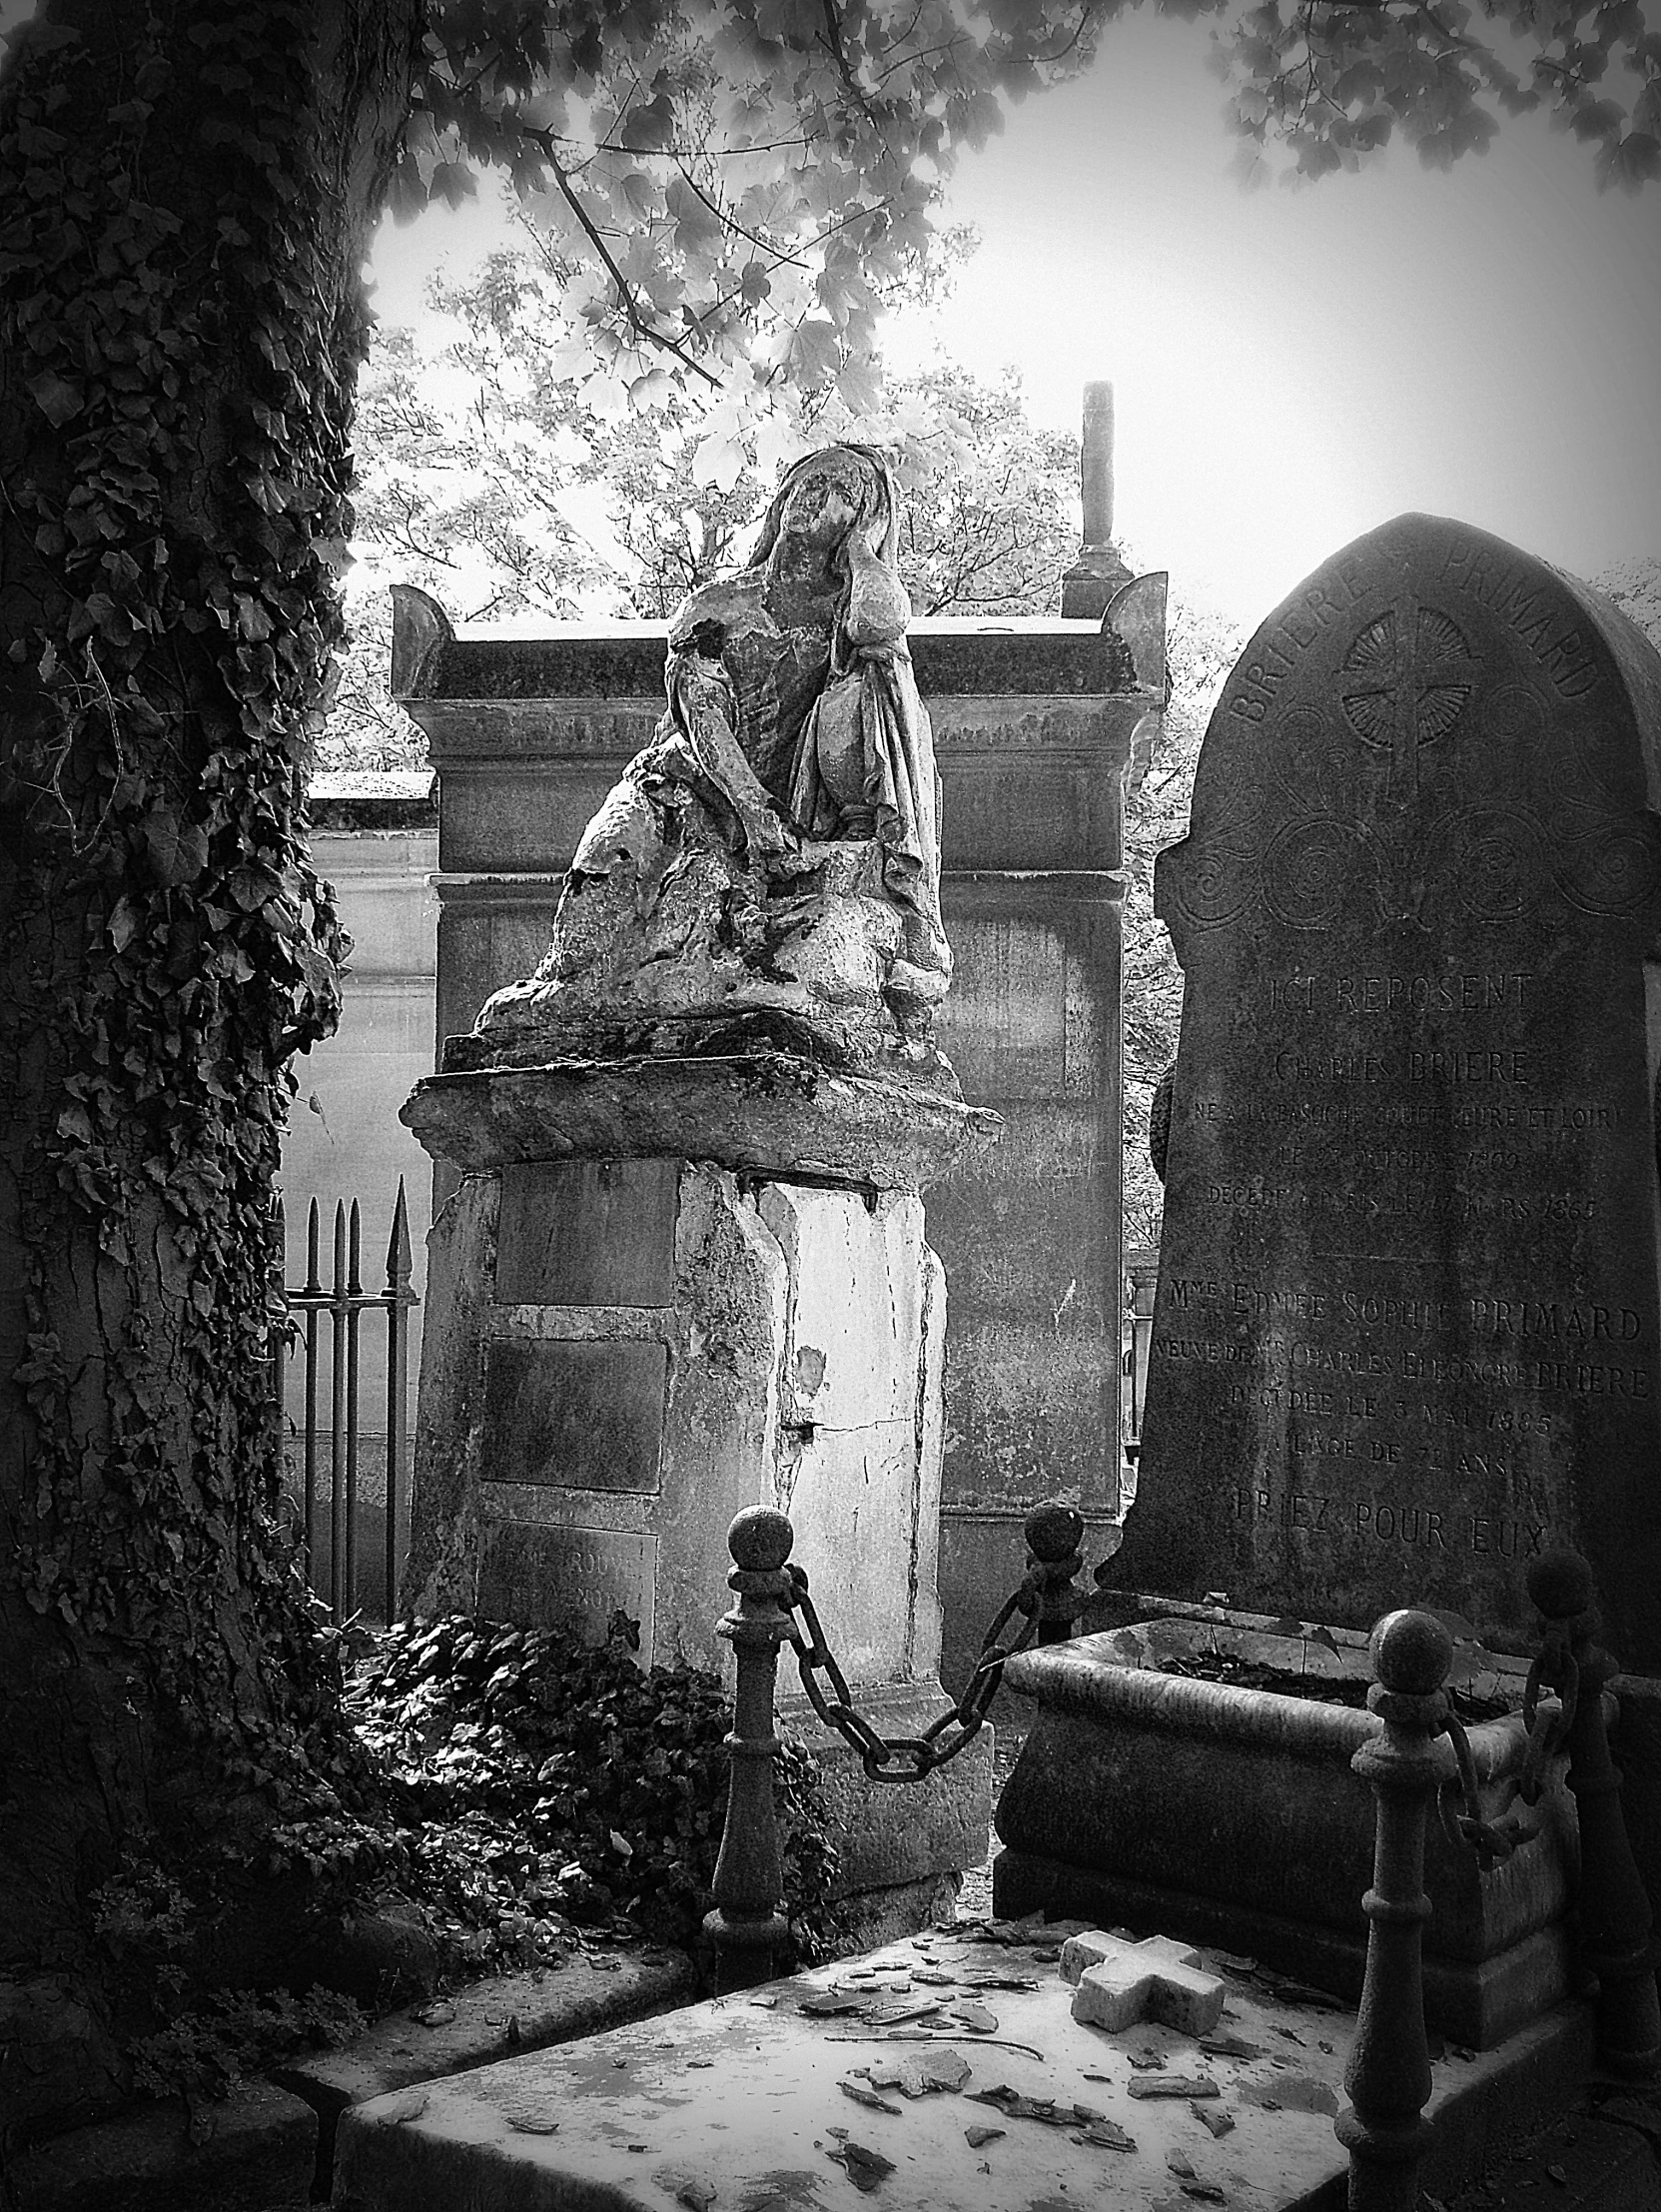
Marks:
<point>548,1578</point>
<point>1406,1333</point>
<point>588,1233</point>
<point>585,1415</point>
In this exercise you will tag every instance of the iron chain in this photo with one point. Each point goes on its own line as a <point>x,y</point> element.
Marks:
<point>1494,1842</point>
<point>905,1758</point>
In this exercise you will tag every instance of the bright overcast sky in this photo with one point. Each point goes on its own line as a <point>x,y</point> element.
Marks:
<point>1293,366</point>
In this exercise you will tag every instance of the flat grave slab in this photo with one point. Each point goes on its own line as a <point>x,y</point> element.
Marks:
<point>944,2073</point>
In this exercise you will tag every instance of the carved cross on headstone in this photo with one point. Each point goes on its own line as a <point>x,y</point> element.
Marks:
<point>1118,1982</point>
<point>1414,672</point>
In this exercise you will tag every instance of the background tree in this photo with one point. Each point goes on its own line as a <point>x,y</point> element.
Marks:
<point>187,195</point>
<point>1635,588</point>
<point>485,477</point>
<point>1203,645</point>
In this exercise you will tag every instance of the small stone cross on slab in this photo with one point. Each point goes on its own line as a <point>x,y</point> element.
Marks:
<point>1120,1982</point>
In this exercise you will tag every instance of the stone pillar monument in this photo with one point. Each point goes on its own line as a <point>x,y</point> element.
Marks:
<point>685,1269</point>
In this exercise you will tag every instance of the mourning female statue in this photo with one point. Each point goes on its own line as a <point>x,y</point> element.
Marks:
<point>767,871</point>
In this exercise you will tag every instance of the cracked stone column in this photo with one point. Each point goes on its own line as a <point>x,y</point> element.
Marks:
<point>673,1289</point>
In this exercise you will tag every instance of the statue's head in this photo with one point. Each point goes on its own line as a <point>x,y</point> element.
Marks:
<point>830,497</point>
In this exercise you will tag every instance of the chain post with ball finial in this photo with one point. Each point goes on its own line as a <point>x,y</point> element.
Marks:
<point>1388,2074</point>
<point>746,1928</point>
<point>1613,1907</point>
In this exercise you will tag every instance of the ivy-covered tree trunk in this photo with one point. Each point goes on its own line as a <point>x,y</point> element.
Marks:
<point>186,195</point>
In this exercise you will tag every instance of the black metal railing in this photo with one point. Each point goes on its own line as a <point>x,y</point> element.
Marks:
<point>327,1445</point>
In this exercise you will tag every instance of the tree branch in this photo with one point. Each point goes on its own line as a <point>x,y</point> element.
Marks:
<point>626,291</point>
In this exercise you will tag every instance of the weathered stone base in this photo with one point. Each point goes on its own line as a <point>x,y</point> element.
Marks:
<point>488,2019</point>
<point>741,2099</point>
<point>904,1846</point>
<point>628,1353</point>
<point>1477,2004</point>
<point>764,1113</point>
<point>257,2152</point>
<point>1213,1814</point>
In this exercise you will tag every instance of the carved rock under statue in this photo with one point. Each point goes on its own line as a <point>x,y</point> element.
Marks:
<point>685,1271</point>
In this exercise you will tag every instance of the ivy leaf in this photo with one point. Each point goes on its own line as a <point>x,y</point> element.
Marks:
<point>58,399</point>
<point>177,852</point>
<point>122,924</point>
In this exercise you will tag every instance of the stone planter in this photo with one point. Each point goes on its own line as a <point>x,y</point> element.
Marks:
<point>1230,1817</point>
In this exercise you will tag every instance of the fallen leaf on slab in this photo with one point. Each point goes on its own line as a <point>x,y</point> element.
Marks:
<point>1219,2123</point>
<point>1106,2135</point>
<point>1294,2093</point>
<point>439,2013</point>
<point>1301,1992</point>
<point>1230,2046</point>
<point>974,2137</point>
<point>976,2018</point>
<point>532,2123</point>
<point>932,1981</point>
<point>828,2003</point>
<point>999,1981</point>
<point>903,2074</point>
<point>892,2015</point>
<point>409,2106</point>
<point>863,2095</point>
<point>1020,2107</point>
<point>700,2064</point>
<point>1204,2192</point>
<point>1179,2165</point>
<point>696,2191</point>
<point>946,2069</point>
<point>1175,2085</point>
<point>864,2168</point>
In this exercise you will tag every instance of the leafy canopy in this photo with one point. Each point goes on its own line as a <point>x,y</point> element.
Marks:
<point>731,189</point>
<point>487,478</point>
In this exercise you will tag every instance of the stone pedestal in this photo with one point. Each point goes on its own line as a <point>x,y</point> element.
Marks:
<point>644,1322</point>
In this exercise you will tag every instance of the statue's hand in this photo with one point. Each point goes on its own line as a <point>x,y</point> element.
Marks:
<point>766,834</point>
<point>879,605</point>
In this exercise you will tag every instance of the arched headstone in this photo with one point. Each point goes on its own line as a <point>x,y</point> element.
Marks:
<point>1406,1331</point>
